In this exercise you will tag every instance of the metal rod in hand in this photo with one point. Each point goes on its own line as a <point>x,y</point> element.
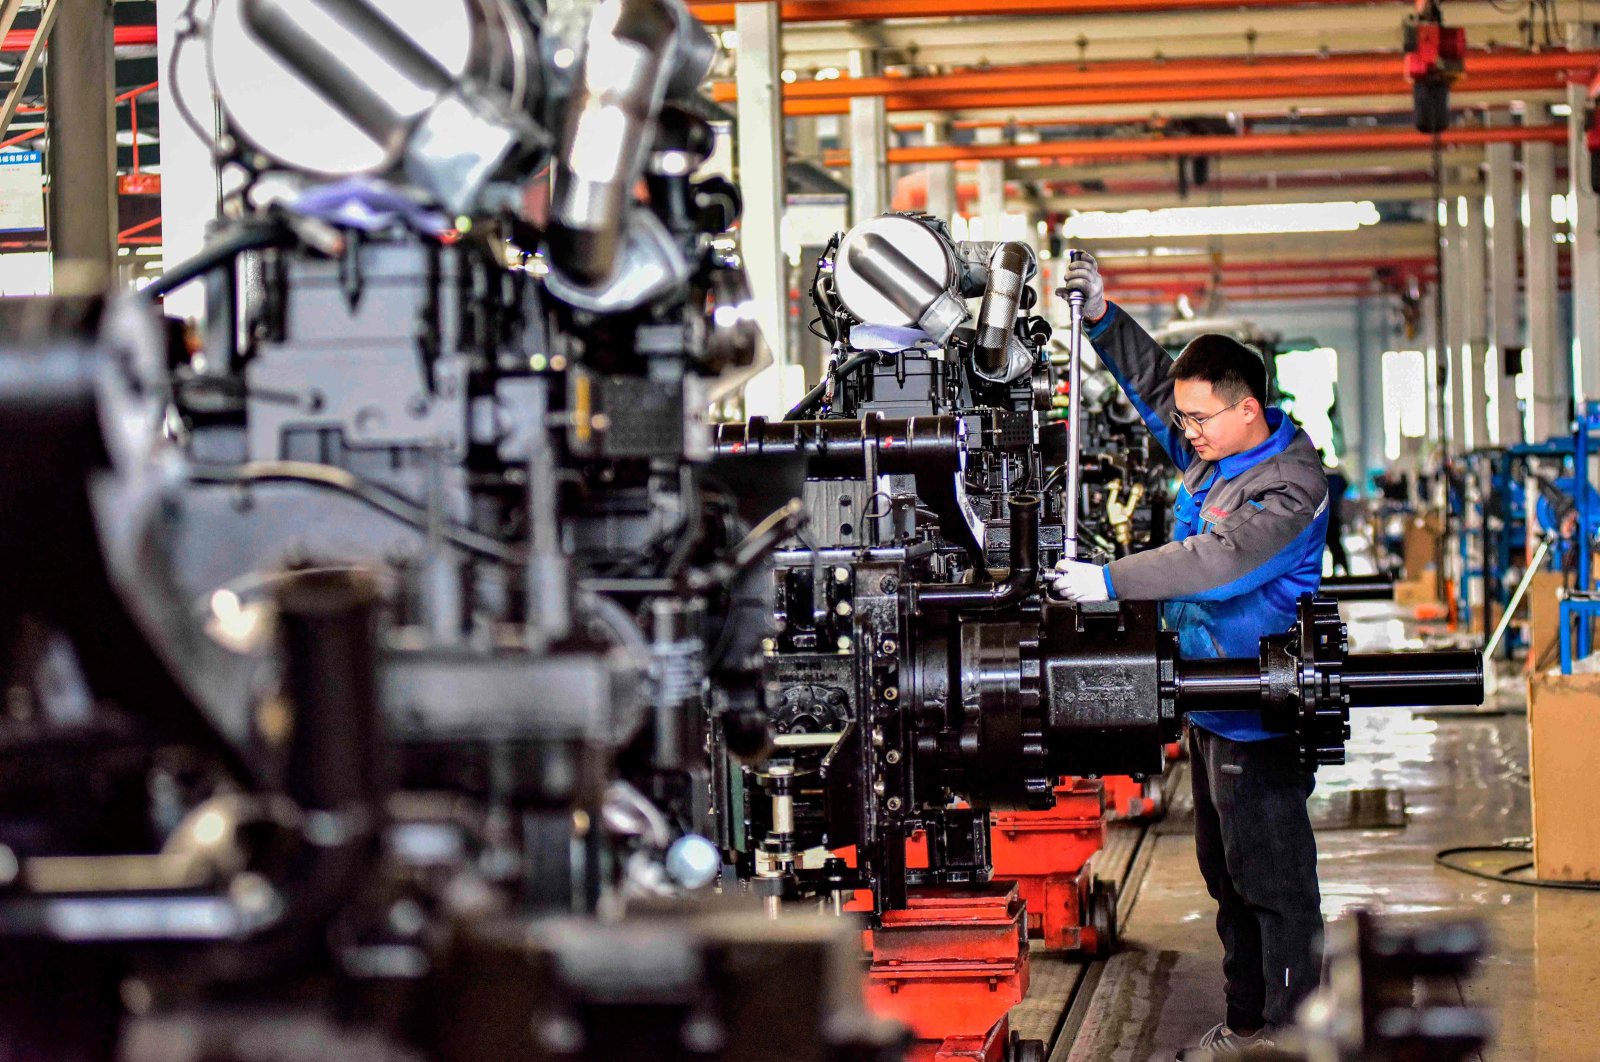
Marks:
<point>1516,598</point>
<point>1075,421</point>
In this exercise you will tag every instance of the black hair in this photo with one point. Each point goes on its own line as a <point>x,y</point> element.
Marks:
<point>1234,371</point>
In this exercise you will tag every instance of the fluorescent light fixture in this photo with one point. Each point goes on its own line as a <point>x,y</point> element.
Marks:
<point>1561,110</point>
<point>1265,218</point>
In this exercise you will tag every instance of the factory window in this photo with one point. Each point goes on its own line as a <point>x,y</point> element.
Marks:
<point>25,273</point>
<point>1309,383</point>
<point>1405,399</point>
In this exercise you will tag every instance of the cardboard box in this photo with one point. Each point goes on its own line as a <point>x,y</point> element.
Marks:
<point>1421,545</point>
<point>1543,604</point>
<point>1422,589</point>
<point>1564,718</point>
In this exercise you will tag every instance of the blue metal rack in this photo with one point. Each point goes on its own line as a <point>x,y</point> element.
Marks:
<point>1582,604</point>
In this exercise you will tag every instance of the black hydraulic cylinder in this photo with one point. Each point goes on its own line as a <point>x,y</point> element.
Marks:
<point>1358,587</point>
<point>327,627</point>
<point>1373,680</point>
<point>1387,680</point>
<point>838,448</point>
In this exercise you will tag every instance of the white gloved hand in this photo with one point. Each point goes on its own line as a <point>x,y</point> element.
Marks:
<point>1083,275</point>
<point>1079,581</point>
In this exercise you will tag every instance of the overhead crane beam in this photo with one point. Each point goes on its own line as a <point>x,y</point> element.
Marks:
<point>1397,102</point>
<point>1168,198</point>
<point>954,42</point>
<point>1142,273</point>
<point>1059,77</point>
<point>1244,87</point>
<point>721,14</point>
<point>1341,165</point>
<point>1245,144</point>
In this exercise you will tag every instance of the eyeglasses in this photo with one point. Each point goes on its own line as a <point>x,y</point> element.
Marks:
<point>1184,421</point>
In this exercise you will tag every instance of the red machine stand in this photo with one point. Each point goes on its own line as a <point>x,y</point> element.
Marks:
<point>1129,798</point>
<point>950,966</point>
<point>1047,854</point>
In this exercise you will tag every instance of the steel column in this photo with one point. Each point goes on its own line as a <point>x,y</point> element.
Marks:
<point>869,144</point>
<point>761,170</point>
<point>941,175</point>
<point>1550,366</point>
<point>991,205</point>
<point>1500,208</point>
<point>1585,219</point>
<point>80,81</point>
<point>1453,289</point>
<point>1428,334</point>
<point>1371,332</point>
<point>1475,335</point>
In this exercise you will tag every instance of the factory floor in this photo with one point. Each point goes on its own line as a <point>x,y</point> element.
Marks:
<point>1464,778</point>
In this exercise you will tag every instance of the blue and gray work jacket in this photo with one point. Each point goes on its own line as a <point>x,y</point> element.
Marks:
<point>1248,530</point>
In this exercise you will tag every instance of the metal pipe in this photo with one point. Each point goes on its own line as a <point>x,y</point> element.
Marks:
<point>621,85</point>
<point>451,138</point>
<point>936,310</point>
<point>1516,598</point>
<point>355,57</point>
<point>1074,421</point>
<point>327,626</point>
<point>1391,680</point>
<point>1372,680</point>
<point>1000,355</point>
<point>837,449</point>
<point>1358,587</point>
<point>1018,583</point>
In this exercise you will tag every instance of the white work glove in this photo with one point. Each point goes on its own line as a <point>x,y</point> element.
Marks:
<point>1079,581</point>
<point>1083,275</point>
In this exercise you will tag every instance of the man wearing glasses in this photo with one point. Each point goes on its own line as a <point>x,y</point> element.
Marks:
<point>1250,523</point>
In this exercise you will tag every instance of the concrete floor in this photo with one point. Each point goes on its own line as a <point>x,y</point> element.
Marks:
<point>1465,779</point>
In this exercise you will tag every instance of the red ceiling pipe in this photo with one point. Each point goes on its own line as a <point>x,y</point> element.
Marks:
<point>1160,94</point>
<point>1247,144</point>
<point>1270,296</point>
<point>18,40</point>
<point>1375,262</point>
<point>1144,73</point>
<point>722,14</point>
<point>1116,282</point>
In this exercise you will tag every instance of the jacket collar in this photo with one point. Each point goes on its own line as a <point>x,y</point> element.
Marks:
<point>1283,433</point>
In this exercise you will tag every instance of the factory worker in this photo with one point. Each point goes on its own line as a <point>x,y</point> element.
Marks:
<point>1250,522</point>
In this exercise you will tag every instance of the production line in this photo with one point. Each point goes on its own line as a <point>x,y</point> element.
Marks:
<point>433,653</point>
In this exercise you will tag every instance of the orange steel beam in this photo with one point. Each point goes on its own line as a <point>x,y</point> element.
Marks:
<point>721,14</point>
<point>1244,89</point>
<point>1145,74</point>
<point>1373,292</point>
<point>1246,144</point>
<point>1117,281</point>
<point>1111,267</point>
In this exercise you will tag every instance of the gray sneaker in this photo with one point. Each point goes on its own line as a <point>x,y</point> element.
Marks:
<point>1221,1042</point>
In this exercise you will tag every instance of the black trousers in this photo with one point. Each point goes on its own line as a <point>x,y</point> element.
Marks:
<point>1341,556</point>
<point>1259,859</point>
